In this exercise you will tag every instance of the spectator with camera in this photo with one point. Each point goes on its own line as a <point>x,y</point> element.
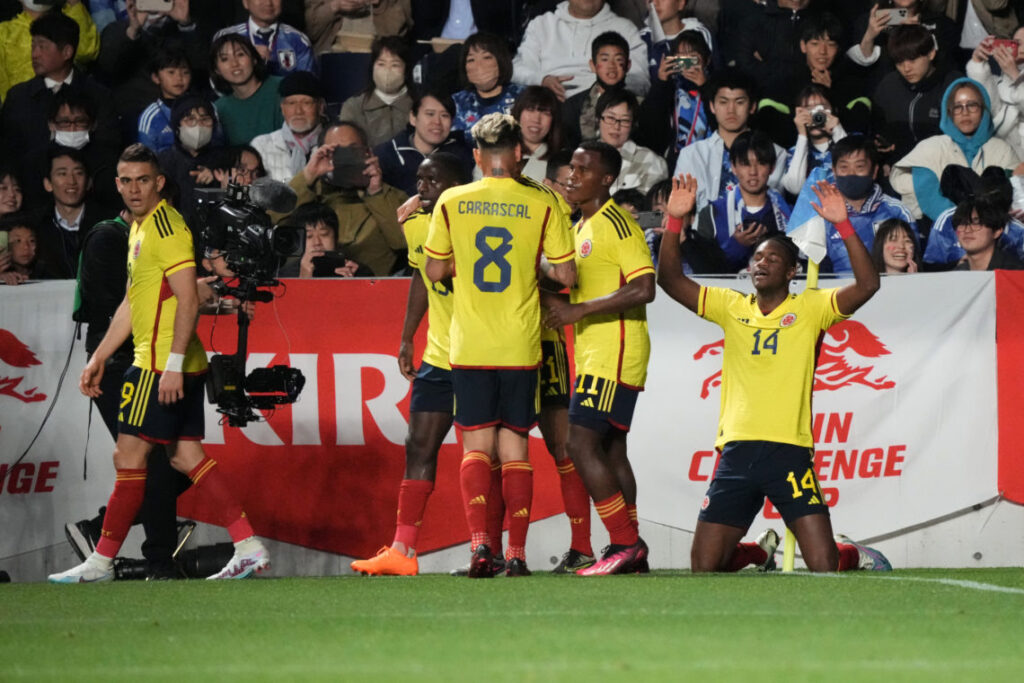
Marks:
<point>16,39</point>
<point>609,60</point>
<point>572,27</point>
<point>747,213</point>
<point>251,105</point>
<point>430,122</point>
<point>665,23</point>
<point>382,109</point>
<point>875,26</point>
<point>344,174</point>
<point>286,150</point>
<point>320,258</point>
<point>907,103</point>
<point>732,100</point>
<point>641,168</point>
<point>967,139</point>
<point>1005,91</point>
<point>817,128</point>
<point>284,48</point>
<point>675,113</point>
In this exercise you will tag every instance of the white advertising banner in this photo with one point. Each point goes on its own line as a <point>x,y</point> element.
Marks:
<point>905,417</point>
<point>46,488</point>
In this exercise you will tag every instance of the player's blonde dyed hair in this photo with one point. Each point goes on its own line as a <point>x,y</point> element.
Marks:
<point>496,131</point>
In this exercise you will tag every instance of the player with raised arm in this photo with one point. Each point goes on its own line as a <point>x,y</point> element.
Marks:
<point>615,282</point>
<point>487,237</point>
<point>433,400</point>
<point>764,432</point>
<point>162,396</point>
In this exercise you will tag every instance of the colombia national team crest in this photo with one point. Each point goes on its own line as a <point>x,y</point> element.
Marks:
<point>586,248</point>
<point>787,320</point>
<point>136,249</point>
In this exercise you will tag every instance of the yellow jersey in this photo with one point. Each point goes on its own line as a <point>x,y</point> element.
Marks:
<point>768,362</point>
<point>158,247</point>
<point>496,229</point>
<point>611,251</point>
<point>439,297</point>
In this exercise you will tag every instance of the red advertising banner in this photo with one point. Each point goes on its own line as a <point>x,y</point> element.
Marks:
<point>324,473</point>
<point>1010,360</point>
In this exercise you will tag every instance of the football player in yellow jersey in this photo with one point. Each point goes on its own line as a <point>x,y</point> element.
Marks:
<point>488,236</point>
<point>162,396</point>
<point>433,400</point>
<point>764,432</point>
<point>615,281</point>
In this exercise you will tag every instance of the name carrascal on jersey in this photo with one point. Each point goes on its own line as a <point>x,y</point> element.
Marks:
<point>494,209</point>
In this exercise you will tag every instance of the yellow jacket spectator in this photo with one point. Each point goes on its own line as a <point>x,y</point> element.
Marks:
<point>16,42</point>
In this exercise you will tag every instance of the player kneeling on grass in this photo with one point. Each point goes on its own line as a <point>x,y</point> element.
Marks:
<point>162,396</point>
<point>615,281</point>
<point>764,430</point>
<point>433,400</point>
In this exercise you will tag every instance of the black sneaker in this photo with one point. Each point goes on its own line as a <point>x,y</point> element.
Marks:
<point>85,534</point>
<point>163,571</point>
<point>481,564</point>
<point>499,568</point>
<point>572,561</point>
<point>516,567</point>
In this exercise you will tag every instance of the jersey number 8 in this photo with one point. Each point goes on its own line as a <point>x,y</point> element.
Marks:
<point>493,255</point>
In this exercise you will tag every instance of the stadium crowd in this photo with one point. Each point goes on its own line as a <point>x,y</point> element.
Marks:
<point>903,103</point>
<point>909,110</point>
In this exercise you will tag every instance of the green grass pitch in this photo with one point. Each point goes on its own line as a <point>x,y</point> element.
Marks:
<point>919,625</point>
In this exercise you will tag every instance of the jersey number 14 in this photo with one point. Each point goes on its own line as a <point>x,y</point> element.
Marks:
<point>770,343</point>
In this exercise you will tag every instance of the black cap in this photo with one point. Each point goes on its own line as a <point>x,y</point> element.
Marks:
<point>300,83</point>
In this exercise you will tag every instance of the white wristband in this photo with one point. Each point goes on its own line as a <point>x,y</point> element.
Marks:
<point>174,362</point>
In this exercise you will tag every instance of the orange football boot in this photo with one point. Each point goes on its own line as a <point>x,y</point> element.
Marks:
<point>387,562</point>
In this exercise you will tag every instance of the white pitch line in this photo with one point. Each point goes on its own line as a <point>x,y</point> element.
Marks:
<point>956,583</point>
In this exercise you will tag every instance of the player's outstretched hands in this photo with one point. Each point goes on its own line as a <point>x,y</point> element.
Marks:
<point>830,205</point>
<point>89,382</point>
<point>683,198</point>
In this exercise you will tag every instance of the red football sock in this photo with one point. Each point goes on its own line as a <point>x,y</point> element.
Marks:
<point>412,500</point>
<point>208,478</point>
<point>475,477</point>
<point>495,510</point>
<point>746,553</point>
<point>124,504</point>
<point>577,507</point>
<point>849,557</point>
<point>633,516</point>
<point>612,511</point>
<point>517,487</point>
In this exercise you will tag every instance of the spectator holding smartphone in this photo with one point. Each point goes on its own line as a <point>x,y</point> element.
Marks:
<point>1005,90</point>
<point>320,257</point>
<point>874,27</point>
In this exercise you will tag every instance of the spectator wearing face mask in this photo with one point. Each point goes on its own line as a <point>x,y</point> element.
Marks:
<point>486,73</point>
<point>855,163</point>
<point>286,150</point>
<point>190,162</point>
<point>382,109</point>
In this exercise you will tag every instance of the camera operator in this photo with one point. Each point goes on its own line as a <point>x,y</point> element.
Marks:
<point>343,174</point>
<point>817,127</point>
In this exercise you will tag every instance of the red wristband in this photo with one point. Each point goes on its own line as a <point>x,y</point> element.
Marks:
<point>674,225</point>
<point>845,229</point>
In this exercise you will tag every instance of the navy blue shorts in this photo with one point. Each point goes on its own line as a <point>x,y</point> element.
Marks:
<point>602,404</point>
<point>489,398</point>
<point>750,470</point>
<point>554,375</point>
<point>432,391</point>
<point>142,415</point>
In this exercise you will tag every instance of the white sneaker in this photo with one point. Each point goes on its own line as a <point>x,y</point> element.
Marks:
<point>250,558</point>
<point>95,569</point>
<point>869,559</point>
<point>769,541</point>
